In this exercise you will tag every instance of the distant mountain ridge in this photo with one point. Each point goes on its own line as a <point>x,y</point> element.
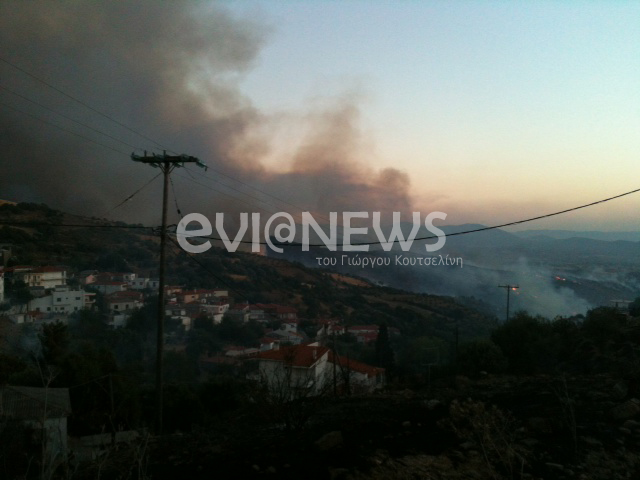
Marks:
<point>629,236</point>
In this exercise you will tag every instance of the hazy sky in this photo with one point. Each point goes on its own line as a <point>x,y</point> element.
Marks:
<point>496,110</point>
<point>488,111</point>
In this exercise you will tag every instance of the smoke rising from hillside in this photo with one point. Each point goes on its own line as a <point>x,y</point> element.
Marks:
<point>170,70</point>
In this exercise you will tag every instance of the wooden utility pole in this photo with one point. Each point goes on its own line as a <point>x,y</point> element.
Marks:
<point>509,288</point>
<point>112,414</point>
<point>166,163</point>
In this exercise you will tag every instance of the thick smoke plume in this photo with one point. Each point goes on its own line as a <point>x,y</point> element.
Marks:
<point>171,71</point>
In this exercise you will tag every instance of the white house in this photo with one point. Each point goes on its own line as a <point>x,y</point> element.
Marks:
<point>216,310</point>
<point>285,335</point>
<point>123,301</point>
<point>306,370</point>
<point>139,283</point>
<point>45,277</point>
<point>62,300</point>
<point>295,371</point>
<point>234,351</point>
<point>45,412</point>
<point>108,287</point>
<point>360,376</point>
<point>329,328</point>
<point>239,312</point>
<point>269,343</point>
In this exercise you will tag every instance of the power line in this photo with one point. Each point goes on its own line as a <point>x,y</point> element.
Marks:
<point>324,217</point>
<point>250,186</point>
<point>95,110</point>
<point>224,193</point>
<point>68,117</point>
<point>240,191</point>
<point>175,198</point>
<point>71,225</point>
<point>266,209</point>
<point>295,244</point>
<point>132,195</point>
<point>63,129</point>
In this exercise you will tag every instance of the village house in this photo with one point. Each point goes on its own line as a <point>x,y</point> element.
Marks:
<point>273,311</point>
<point>368,333</point>
<point>44,411</point>
<point>202,295</point>
<point>123,301</point>
<point>256,313</point>
<point>287,335</point>
<point>328,328</point>
<point>31,316</point>
<point>311,369</point>
<point>86,277</point>
<point>239,312</point>
<point>139,283</point>
<point>361,378</point>
<point>172,290</point>
<point>237,351</point>
<point>269,343</point>
<point>39,277</point>
<point>179,313</point>
<point>295,371</point>
<point>105,277</point>
<point>215,310</point>
<point>63,300</point>
<point>108,287</point>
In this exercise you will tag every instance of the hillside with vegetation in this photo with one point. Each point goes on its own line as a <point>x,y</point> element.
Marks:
<point>466,396</point>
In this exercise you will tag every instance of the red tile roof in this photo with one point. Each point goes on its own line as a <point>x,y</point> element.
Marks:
<point>363,328</point>
<point>296,356</point>
<point>240,307</point>
<point>355,365</point>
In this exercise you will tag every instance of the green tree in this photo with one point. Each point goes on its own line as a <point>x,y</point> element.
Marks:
<point>385,357</point>
<point>18,292</point>
<point>416,354</point>
<point>54,340</point>
<point>602,326</point>
<point>520,340</point>
<point>480,355</point>
<point>10,365</point>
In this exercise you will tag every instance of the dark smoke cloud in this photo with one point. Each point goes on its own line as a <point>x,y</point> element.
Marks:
<point>170,70</point>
